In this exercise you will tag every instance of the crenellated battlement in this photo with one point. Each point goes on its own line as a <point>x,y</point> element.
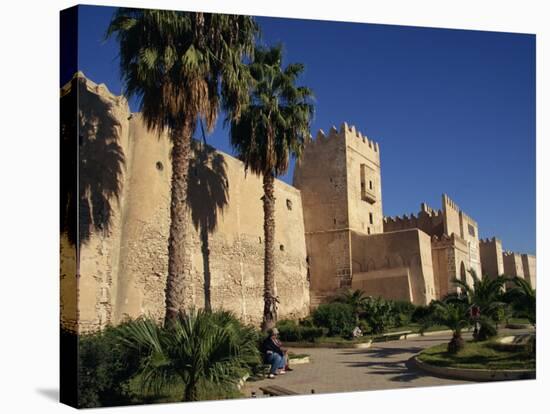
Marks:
<point>450,203</point>
<point>488,240</point>
<point>354,137</point>
<point>413,217</point>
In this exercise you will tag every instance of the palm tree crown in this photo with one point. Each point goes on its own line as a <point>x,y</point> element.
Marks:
<point>180,63</point>
<point>485,293</point>
<point>276,123</point>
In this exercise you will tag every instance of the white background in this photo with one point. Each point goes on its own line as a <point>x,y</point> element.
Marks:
<point>29,159</point>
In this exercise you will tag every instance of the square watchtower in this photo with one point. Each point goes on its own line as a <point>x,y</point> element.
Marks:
<point>339,178</point>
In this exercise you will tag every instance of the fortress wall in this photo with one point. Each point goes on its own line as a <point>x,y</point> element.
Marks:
<point>450,255</point>
<point>408,249</point>
<point>530,269</point>
<point>513,265</point>
<point>123,270</point>
<point>363,172</point>
<point>470,232</point>
<point>451,213</point>
<point>103,140</point>
<point>491,257</point>
<point>430,222</point>
<point>322,180</point>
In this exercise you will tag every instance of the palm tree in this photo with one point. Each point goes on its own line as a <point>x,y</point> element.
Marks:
<point>486,295</point>
<point>454,315</point>
<point>182,66</point>
<point>272,129</point>
<point>524,299</point>
<point>197,349</point>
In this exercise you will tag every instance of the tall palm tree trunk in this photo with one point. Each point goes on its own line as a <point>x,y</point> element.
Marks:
<point>177,266</point>
<point>270,301</point>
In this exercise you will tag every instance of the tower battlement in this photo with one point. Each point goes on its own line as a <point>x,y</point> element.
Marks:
<point>348,134</point>
<point>490,240</point>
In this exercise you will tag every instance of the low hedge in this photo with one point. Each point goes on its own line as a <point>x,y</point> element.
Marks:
<point>290,331</point>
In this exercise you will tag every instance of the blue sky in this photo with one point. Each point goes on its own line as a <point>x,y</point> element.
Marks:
<point>452,110</point>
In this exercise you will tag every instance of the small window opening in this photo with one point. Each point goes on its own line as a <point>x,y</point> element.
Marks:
<point>159,165</point>
<point>282,247</point>
<point>371,219</point>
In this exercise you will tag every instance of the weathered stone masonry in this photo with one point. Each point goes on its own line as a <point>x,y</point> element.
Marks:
<point>330,230</point>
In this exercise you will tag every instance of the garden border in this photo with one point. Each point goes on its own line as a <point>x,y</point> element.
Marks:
<point>478,375</point>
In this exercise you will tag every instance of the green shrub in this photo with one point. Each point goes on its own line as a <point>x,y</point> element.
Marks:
<point>421,313</point>
<point>402,312</point>
<point>105,369</point>
<point>364,326</point>
<point>338,318</point>
<point>292,332</point>
<point>307,322</point>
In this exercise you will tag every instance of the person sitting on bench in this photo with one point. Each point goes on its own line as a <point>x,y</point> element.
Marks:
<point>273,354</point>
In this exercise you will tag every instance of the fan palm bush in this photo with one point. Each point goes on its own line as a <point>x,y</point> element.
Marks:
<point>183,67</point>
<point>523,299</point>
<point>272,129</point>
<point>196,349</point>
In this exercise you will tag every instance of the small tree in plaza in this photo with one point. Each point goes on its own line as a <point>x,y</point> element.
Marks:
<point>484,300</point>
<point>455,316</point>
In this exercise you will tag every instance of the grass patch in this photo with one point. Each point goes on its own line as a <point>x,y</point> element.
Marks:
<point>479,355</point>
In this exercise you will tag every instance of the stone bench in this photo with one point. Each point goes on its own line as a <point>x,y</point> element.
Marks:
<point>399,335</point>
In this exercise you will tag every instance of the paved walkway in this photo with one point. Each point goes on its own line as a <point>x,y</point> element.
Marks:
<point>384,365</point>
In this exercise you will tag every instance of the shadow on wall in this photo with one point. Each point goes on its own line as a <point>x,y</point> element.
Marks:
<point>100,162</point>
<point>207,197</point>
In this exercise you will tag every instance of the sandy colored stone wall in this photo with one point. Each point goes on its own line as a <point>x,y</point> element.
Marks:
<point>491,257</point>
<point>103,140</point>
<point>529,263</point>
<point>392,283</point>
<point>339,179</point>
<point>513,265</point>
<point>123,265</point>
<point>364,195</point>
<point>428,220</point>
<point>321,176</point>
<point>410,249</point>
<point>451,213</point>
